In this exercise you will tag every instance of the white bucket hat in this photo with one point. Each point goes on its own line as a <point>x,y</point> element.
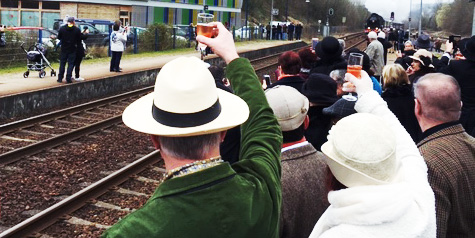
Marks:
<point>372,35</point>
<point>185,102</point>
<point>361,150</point>
<point>289,105</point>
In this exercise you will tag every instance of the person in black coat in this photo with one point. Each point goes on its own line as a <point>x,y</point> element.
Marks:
<point>290,31</point>
<point>320,89</point>
<point>298,31</point>
<point>464,72</point>
<point>229,148</point>
<point>329,51</point>
<point>397,92</point>
<point>386,45</point>
<point>80,53</point>
<point>70,37</point>
<point>289,71</point>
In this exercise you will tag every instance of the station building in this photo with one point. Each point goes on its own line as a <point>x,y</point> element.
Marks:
<point>140,13</point>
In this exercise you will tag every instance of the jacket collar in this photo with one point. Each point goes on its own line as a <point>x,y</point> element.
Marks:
<point>298,152</point>
<point>441,130</point>
<point>194,181</point>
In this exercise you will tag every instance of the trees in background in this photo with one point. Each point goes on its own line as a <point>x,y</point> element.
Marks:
<point>456,17</point>
<point>356,14</point>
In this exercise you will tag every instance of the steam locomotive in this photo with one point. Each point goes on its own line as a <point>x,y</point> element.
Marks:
<point>376,22</point>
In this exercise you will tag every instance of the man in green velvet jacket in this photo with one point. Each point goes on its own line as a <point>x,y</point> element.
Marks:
<point>202,196</point>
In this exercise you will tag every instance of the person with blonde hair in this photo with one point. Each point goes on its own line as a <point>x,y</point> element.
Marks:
<point>397,92</point>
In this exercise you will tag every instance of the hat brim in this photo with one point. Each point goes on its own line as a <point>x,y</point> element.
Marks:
<point>413,57</point>
<point>319,51</point>
<point>346,175</point>
<point>138,116</point>
<point>423,46</point>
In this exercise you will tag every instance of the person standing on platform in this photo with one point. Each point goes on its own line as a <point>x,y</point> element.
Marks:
<point>284,32</point>
<point>303,170</point>
<point>3,40</point>
<point>117,44</point>
<point>70,37</point>
<point>375,51</point>
<point>378,179</point>
<point>80,53</point>
<point>298,31</point>
<point>386,45</point>
<point>290,31</point>
<point>463,70</point>
<point>279,32</point>
<point>201,195</point>
<point>449,153</point>
<point>268,32</point>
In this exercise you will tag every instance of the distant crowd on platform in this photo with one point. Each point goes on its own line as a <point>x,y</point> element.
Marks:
<point>302,159</point>
<point>282,31</point>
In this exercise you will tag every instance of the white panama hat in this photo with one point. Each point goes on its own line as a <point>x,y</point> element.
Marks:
<point>361,150</point>
<point>185,102</point>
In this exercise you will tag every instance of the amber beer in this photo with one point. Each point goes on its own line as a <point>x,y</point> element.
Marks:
<point>204,30</point>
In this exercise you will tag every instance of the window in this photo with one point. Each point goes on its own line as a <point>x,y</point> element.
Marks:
<point>30,18</point>
<point>9,18</point>
<point>47,19</point>
<point>30,4</point>
<point>10,3</point>
<point>51,5</point>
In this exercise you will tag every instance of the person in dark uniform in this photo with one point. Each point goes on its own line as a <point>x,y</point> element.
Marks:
<point>80,53</point>
<point>70,37</point>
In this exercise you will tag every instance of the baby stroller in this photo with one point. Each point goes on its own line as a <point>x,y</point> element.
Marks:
<point>36,60</point>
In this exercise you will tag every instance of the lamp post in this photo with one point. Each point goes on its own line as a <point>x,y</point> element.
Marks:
<point>308,10</point>
<point>420,20</point>
<point>271,18</point>
<point>410,11</point>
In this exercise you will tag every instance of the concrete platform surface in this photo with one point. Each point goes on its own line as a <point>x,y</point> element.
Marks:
<point>15,83</point>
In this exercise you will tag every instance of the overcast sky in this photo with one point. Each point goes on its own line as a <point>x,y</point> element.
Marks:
<point>399,7</point>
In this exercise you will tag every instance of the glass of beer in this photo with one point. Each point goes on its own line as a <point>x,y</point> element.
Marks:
<point>204,28</point>
<point>355,64</point>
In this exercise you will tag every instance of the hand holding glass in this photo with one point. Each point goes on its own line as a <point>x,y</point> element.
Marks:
<point>204,28</point>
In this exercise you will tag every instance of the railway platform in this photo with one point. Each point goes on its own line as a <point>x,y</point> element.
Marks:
<point>15,83</point>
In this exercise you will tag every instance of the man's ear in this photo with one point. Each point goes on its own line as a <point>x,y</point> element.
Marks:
<point>156,141</point>
<point>306,122</point>
<point>222,134</point>
<point>417,107</point>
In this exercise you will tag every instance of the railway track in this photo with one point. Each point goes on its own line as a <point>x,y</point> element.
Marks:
<point>87,212</point>
<point>66,210</point>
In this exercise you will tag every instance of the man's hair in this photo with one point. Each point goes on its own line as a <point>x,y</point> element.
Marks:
<point>217,72</point>
<point>116,27</point>
<point>439,96</point>
<point>338,75</point>
<point>290,62</point>
<point>294,135</point>
<point>394,75</point>
<point>191,147</point>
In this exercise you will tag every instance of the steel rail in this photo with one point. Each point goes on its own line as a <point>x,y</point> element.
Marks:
<point>49,216</point>
<point>28,122</point>
<point>17,154</point>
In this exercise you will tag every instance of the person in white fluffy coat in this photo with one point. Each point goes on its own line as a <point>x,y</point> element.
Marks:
<point>387,194</point>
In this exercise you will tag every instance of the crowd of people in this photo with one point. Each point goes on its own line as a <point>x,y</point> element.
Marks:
<point>399,161</point>
<point>282,31</point>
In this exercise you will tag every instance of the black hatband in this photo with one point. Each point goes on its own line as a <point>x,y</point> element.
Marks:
<point>186,119</point>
